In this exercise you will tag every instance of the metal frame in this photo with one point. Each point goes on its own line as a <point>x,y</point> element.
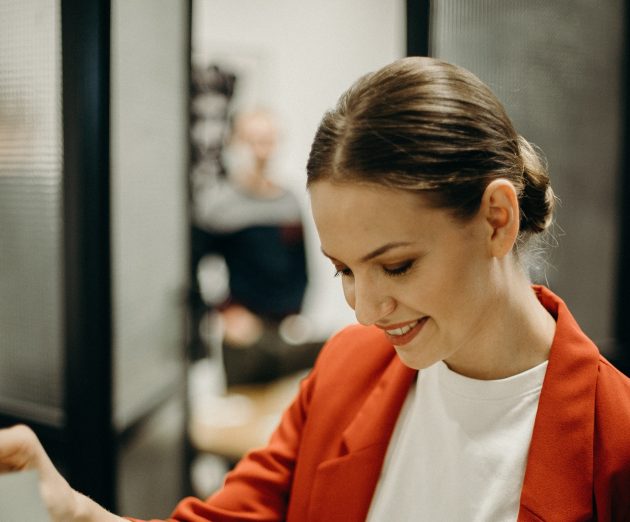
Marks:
<point>418,20</point>
<point>90,461</point>
<point>622,324</point>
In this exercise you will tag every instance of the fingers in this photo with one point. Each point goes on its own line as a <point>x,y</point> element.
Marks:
<point>19,448</point>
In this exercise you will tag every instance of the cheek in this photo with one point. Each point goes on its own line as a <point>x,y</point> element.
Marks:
<point>463,289</point>
<point>440,289</point>
<point>348,291</point>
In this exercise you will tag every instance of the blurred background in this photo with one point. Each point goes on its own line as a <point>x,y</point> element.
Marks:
<point>161,287</point>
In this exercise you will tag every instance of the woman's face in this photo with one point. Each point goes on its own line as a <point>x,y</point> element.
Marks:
<point>416,272</point>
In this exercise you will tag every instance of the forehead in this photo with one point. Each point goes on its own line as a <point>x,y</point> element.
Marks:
<point>330,199</point>
<point>366,216</point>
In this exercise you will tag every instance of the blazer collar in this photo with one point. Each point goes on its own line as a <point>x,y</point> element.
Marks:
<point>559,475</point>
<point>375,421</point>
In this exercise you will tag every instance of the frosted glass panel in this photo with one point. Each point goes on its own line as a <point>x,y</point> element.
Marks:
<point>31,363</point>
<point>556,66</point>
<point>149,146</point>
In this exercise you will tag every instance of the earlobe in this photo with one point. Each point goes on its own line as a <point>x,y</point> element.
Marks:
<point>499,206</point>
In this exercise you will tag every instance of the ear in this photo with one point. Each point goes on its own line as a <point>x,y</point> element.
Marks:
<point>500,211</point>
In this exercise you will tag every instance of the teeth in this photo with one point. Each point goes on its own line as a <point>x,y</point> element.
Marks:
<point>403,329</point>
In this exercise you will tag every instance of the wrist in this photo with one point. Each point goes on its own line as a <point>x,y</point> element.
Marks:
<point>86,510</point>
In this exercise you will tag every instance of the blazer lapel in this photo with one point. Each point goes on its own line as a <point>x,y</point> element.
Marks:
<point>343,486</point>
<point>559,476</point>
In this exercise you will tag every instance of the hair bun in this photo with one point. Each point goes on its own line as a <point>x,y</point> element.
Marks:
<point>537,199</point>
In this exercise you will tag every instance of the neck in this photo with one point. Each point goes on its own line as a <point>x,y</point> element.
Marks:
<point>519,337</point>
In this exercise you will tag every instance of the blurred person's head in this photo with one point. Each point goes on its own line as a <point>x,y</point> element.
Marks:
<point>257,132</point>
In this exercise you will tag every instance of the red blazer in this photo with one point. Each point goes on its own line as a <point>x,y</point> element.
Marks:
<point>323,461</point>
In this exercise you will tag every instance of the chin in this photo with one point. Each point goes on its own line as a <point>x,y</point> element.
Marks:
<point>413,360</point>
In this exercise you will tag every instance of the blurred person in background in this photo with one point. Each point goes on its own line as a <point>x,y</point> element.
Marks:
<point>255,225</point>
<point>465,393</point>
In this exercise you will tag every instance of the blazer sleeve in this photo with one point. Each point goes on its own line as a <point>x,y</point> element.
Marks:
<point>258,488</point>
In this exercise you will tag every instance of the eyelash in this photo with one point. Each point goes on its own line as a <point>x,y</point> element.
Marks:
<point>342,272</point>
<point>399,270</point>
<point>392,272</point>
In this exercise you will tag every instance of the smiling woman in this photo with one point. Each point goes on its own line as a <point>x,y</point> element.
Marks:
<point>426,200</point>
<point>465,393</point>
<point>430,166</point>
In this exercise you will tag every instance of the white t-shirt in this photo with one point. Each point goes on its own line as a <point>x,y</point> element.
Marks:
<point>459,449</point>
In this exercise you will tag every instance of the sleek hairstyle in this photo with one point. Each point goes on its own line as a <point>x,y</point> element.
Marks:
<point>423,125</point>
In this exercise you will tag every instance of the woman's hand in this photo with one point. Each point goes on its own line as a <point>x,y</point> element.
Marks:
<point>20,449</point>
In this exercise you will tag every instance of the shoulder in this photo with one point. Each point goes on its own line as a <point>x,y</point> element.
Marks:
<point>613,391</point>
<point>287,207</point>
<point>612,435</point>
<point>611,376</point>
<point>612,401</point>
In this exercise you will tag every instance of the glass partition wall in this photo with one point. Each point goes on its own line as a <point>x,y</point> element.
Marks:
<point>557,67</point>
<point>31,342</point>
<point>93,241</point>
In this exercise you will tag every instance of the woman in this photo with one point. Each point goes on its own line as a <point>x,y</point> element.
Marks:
<point>465,394</point>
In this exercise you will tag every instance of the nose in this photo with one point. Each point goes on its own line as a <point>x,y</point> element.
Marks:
<point>370,305</point>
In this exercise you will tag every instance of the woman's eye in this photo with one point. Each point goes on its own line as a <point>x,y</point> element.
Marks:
<point>341,271</point>
<point>398,269</point>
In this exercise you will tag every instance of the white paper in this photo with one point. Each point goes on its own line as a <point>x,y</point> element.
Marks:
<point>20,500</point>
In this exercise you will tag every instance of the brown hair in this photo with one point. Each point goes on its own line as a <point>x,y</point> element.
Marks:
<point>424,125</point>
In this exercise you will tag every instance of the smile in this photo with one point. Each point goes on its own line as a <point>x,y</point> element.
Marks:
<point>402,330</point>
<point>405,333</point>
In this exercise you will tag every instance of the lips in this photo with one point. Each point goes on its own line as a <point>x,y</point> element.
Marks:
<point>404,333</point>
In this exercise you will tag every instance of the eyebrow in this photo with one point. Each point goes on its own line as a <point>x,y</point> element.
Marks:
<point>379,251</point>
